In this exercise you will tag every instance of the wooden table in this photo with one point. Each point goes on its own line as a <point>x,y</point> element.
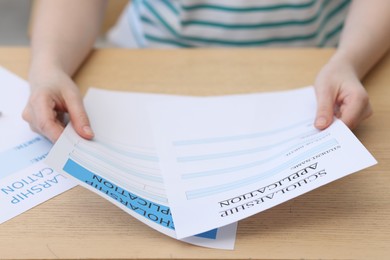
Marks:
<point>347,219</point>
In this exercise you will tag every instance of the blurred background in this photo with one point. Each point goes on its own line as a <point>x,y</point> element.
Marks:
<point>14,20</point>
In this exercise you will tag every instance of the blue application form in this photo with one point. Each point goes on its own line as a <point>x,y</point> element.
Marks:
<point>25,181</point>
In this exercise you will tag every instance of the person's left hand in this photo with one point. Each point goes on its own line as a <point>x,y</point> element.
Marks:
<point>340,93</point>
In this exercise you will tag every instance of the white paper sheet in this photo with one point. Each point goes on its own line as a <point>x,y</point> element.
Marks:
<point>25,181</point>
<point>205,162</point>
<point>226,158</point>
<point>121,163</point>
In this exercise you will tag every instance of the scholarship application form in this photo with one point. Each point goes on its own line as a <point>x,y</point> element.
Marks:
<point>121,164</point>
<point>203,163</point>
<point>226,158</point>
<point>25,181</point>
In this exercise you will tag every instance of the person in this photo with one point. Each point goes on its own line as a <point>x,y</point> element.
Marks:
<point>64,32</point>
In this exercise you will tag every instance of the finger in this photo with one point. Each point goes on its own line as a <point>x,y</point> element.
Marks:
<point>355,110</point>
<point>78,116</point>
<point>45,121</point>
<point>26,114</point>
<point>56,129</point>
<point>325,107</point>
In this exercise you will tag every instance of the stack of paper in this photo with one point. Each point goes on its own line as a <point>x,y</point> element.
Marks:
<point>197,165</point>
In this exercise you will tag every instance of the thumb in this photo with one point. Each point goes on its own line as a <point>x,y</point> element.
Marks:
<point>79,118</point>
<point>325,107</point>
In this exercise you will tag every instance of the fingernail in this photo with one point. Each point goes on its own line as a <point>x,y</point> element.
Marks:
<point>321,122</point>
<point>88,130</point>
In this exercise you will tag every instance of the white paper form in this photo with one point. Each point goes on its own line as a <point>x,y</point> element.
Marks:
<point>226,158</point>
<point>25,181</point>
<point>121,163</point>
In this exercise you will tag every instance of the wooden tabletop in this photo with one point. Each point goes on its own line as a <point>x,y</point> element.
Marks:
<point>346,219</point>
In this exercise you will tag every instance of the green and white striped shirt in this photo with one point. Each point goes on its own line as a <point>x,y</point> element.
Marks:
<point>230,23</point>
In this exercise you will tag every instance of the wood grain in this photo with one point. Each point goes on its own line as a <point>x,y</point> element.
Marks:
<point>347,219</point>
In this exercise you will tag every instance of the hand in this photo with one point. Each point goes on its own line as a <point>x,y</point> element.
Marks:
<point>53,93</point>
<point>339,92</point>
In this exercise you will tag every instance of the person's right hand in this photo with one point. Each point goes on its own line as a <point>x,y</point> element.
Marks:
<point>53,93</point>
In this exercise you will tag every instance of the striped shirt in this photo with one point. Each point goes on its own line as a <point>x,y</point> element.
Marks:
<point>231,23</point>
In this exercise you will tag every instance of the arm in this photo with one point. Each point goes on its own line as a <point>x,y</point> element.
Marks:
<point>364,40</point>
<point>63,34</point>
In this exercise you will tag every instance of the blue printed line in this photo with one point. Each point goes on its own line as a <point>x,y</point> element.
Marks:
<point>192,175</point>
<point>98,145</point>
<point>98,171</point>
<point>241,152</point>
<point>144,157</point>
<point>239,137</point>
<point>121,168</point>
<point>204,192</point>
